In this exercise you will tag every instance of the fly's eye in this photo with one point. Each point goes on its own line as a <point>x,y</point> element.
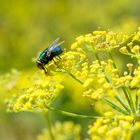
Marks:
<point>48,54</point>
<point>39,64</point>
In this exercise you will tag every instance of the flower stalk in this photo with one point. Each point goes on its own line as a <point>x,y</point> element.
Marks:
<point>46,114</point>
<point>114,106</point>
<point>72,114</point>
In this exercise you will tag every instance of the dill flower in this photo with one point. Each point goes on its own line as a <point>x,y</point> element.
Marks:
<point>63,131</point>
<point>43,91</point>
<point>99,40</point>
<point>119,127</point>
<point>132,47</point>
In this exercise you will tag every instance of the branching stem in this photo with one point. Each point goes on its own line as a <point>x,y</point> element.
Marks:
<point>72,114</point>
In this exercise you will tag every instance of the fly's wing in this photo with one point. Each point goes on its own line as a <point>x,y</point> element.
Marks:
<point>55,46</point>
<point>54,42</point>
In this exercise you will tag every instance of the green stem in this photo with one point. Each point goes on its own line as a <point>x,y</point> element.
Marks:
<point>73,114</point>
<point>70,74</point>
<point>138,108</point>
<point>131,100</point>
<point>136,102</point>
<point>127,96</point>
<point>49,125</point>
<point>75,78</point>
<point>114,106</point>
<point>122,103</point>
<point>97,57</point>
<point>114,65</point>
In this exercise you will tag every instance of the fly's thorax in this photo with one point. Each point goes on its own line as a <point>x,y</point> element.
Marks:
<point>42,56</point>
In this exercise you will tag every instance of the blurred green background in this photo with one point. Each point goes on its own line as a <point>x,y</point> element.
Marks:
<point>29,26</point>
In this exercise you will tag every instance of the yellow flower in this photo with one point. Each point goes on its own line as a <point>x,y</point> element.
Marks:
<point>41,93</point>
<point>88,82</point>
<point>102,130</point>
<point>108,114</point>
<point>62,130</point>
<point>135,49</point>
<point>124,50</point>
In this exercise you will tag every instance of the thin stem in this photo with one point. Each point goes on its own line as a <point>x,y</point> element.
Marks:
<point>75,78</point>
<point>131,100</point>
<point>138,108</point>
<point>114,65</point>
<point>127,96</point>
<point>73,114</point>
<point>97,57</point>
<point>49,125</point>
<point>114,106</point>
<point>70,74</point>
<point>136,102</point>
<point>122,103</point>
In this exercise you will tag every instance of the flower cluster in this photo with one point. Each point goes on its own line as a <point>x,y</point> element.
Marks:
<point>63,131</point>
<point>100,40</point>
<point>37,95</point>
<point>104,79</point>
<point>119,127</point>
<point>132,47</point>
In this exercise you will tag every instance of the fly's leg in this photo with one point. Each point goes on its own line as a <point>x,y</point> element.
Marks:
<point>45,70</point>
<point>56,64</point>
<point>58,57</point>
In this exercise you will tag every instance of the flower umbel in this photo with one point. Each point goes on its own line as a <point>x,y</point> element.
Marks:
<point>43,91</point>
<point>117,128</point>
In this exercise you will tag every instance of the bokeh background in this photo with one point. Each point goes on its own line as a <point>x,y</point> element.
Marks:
<point>29,26</point>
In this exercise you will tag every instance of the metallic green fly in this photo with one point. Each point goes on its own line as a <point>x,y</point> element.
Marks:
<point>48,54</point>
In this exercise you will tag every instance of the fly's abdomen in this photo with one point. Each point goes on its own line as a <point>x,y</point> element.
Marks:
<point>56,51</point>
